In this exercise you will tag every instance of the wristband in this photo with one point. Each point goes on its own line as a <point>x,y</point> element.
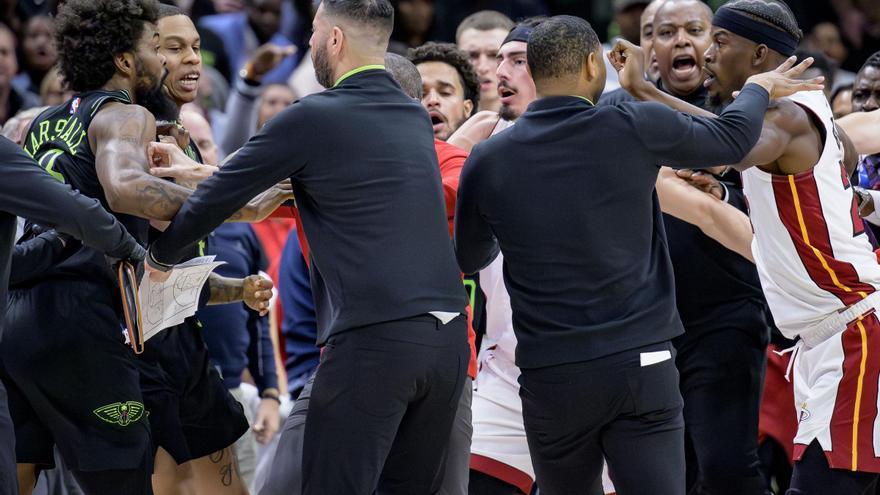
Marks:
<point>154,263</point>
<point>272,396</point>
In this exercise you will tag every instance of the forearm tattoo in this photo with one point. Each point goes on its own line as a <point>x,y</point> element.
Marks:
<point>225,290</point>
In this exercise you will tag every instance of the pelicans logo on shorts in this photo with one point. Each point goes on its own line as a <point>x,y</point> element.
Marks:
<point>804,413</point>
<point>121,413</point>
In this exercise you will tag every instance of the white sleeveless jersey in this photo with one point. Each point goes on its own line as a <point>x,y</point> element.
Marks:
<point>810,247</point>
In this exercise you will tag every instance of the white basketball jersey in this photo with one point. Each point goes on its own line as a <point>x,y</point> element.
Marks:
<point>810,248</point>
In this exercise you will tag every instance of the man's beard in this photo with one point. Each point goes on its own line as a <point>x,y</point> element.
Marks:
<point>155,99</point>
<point>507,112</point>
<point>323,70</point>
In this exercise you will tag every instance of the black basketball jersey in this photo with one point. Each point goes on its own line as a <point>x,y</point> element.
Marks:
<point>58,141</point>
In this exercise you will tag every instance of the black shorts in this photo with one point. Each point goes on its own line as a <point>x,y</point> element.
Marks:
<point>191,412</point>
<point>72,379</point>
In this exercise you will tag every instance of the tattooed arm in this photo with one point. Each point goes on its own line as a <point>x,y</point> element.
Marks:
<point>119,134</point>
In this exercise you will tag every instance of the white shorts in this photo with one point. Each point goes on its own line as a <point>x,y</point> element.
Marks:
<point>835,393</point>
<point>498,445</point>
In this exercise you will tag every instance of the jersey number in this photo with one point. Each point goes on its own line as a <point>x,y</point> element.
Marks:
<point>47,161</point>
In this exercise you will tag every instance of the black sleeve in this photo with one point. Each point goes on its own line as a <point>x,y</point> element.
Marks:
<point>475,244</point>
<point>29,191</point>
<point>34,256</point>
<point>270,156</point>
<point>736,198</point>
<point>685,141</point>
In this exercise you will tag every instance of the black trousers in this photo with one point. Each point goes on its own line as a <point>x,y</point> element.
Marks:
<point>625,407</point>
<point>813,476</point>
<point>722,375</point>
<point>8,477</point>
<point>382,408</point>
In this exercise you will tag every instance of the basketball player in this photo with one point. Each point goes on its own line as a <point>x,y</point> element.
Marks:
<point>817,269</point>
<point>194,418</point>
<point>95,142</point>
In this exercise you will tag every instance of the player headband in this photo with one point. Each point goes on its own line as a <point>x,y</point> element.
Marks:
<point>519,33</point>
<point>754,30</point>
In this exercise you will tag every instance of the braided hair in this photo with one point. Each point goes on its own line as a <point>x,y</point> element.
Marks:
<point>773,12</point>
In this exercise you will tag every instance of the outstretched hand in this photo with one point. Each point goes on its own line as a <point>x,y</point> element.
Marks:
<point>783,81</point>
<point>267,57</point>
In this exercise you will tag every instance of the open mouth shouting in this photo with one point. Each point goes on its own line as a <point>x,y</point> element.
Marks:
<point>438,121</point>
<point>685,67</point>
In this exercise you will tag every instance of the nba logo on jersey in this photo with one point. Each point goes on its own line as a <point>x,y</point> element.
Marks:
<point>74,105</point>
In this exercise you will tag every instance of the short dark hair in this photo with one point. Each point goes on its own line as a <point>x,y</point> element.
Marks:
<point>405,73</point>
<point>450,54</point>
<point>772,12</point>
<point>166,10</point>
<point>376,13</point>
<point>484,20</point>
<point>90,32</point>
<point>873,61</point>
<point>559,46</point>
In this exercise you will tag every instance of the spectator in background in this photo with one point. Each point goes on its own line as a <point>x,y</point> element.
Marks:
<point>275,98</point>
<point>866,98</point>
<point>628,20</point>
<point>859,21</point>
<point>252,103</point>
<point>16,128</point>
<point>413,24</point>
<point>40,54</point>
<point>12,99</point>
<point>646,40</point>
<point>480,36</point>
<point>613,93</point>
<point>299,326</point>
<point>53,90</point>
<point>825,38</point>
<point>822,66</point>
<point>450,13</point>
<point>243,32</point>
<point>841,101</point>
<point>627,16</point>
<point>450,91</point>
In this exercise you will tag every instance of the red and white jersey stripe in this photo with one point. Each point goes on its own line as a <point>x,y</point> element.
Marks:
<point>810,247</point>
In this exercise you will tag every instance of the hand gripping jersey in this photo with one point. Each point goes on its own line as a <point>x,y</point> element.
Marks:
<point>58,141</point>
<point>812,254</point>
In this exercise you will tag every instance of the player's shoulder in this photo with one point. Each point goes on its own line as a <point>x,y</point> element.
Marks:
<point>791,116</point>
<point>114,118</point>
<point>116,112</point>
